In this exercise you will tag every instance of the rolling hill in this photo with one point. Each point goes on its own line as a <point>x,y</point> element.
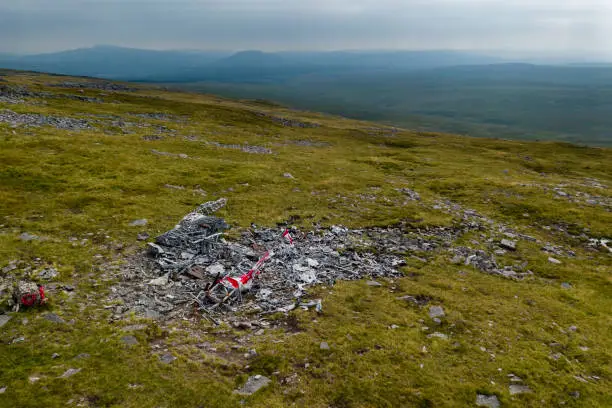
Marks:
<point>427,269</point>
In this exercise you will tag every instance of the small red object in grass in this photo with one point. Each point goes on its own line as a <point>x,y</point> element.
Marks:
<point>31,299</point>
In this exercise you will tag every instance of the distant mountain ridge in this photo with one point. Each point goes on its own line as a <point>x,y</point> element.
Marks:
<point>113,62</point>
<point>176,65</point>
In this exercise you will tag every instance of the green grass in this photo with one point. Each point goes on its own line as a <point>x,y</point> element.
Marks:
<point>80,190</point>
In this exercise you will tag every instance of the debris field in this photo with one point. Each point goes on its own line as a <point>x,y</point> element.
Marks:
<point>194,269</point>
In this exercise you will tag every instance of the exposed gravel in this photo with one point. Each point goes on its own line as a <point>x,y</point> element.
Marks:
<point>289,122</point>
<point>35,119</point>
<point>245,148</point>
<point>100,85</point>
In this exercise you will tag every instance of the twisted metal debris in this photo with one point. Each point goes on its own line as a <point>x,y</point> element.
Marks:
<point>267,270</point>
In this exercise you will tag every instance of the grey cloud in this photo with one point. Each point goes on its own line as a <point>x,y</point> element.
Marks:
<point>36,25</point>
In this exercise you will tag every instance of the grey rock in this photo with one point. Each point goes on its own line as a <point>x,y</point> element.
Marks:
<point>288,175</point>
<point>129,340</point>
<point>489,401</point>
<point>48,273</point>
<point>245,148</point>
<point>167,358</point>
<point>55,355</point>
<point>437,335</point>
<point>4,319</point>
<point>566,285</point>
<point>142,236</point>
<point>518,389</point>
<point>34,119</point>
<point>436,311</point>
<point>83,356</point>
<point>134,327</point>
<point>70,372</point>
<point>10,267</point>
<point>373,283</point>
<point>52,317</point>
<point>139,223</point>
<point>324,346</point>
<point>411,194</point>
<point>554,261</point>
<point>2,390</point>
<point>253,384</point>
<point>457,259</point>
<point>418,301</point>
<point>152,314</point>
<point>28,237</point>
<point>508,244</point>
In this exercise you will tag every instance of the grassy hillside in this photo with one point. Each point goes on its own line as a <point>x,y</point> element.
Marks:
<point>79,162</point>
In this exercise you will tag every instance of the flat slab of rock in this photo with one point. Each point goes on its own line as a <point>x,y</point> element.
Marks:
<point>253,384</point>
<point>4,319</point>
<point>70,372</point>
<point>489,401</point>
<point>129,340</point>
<point>28,237</point>
<point>373,283</point>
<point>508,244</point>
<point>554,261</point>
<point>48,273</point>
<point>143,236</point>
<point>438,336</point>
<point>518,389</point>
<point>436,311</point>
<point>324,345</point>
<point>139,223</point>
<point>167,358</point>
<point>52,317</point>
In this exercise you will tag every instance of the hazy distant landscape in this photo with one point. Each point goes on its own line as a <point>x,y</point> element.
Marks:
<point>440,91</point>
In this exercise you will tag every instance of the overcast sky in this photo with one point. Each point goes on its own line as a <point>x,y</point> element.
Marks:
<point>555,26</point>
